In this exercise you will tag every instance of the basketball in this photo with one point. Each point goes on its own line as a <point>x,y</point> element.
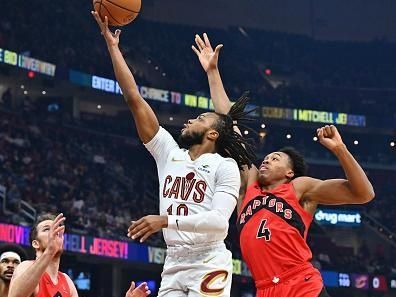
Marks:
<point>118,12</point>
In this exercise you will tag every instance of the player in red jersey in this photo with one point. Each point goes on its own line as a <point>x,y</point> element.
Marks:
<point>41,277</point>
<point>278,203</point>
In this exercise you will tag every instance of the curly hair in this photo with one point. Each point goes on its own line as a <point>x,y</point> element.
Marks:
<point>297,161</point>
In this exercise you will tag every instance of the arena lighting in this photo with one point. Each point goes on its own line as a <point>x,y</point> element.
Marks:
<point>156,67</point>
<point>43,92</point>
<point>163,74</point>
<point>22,86</point>
<point>262,126</point>
<point>149,61</point>
<point>315,138</point>
<point>31,74</point>
<point>288,136</point>
<point>170,118</point>
<point>188,100</point>
<point>25,92</point>
<point>262,134</point>
<point>99,106</point>
<point>267,71</point>
<point>246,132</point>
<point>355,142</point>
<point>392,144</point>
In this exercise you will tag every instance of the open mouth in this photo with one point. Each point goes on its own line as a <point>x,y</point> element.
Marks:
<point>263,168</point>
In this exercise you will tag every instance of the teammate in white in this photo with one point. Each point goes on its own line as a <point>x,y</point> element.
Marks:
<point>198,187</point>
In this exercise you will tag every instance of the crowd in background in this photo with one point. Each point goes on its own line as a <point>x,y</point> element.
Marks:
<point>357,78</point>
<point>101,180</point>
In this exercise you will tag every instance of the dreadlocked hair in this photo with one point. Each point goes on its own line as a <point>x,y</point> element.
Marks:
<point>230,143</point>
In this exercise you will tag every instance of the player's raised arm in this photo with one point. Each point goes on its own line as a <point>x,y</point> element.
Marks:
<point>209,62</point>
<point>221,102</point>
<point>355,189</point>
<point>145,118</point>
<point>27,276</point>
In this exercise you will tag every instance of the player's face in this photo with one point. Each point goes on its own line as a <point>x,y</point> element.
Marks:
<point>275,167</point>
<point>42,234</point>
<point>195,130</point>
<point>7,267</point>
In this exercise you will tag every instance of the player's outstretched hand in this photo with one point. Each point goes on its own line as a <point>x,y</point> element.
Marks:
<point>141,291</point>
<point>329,137</point>
<point>146,226</point>
<point>55,235</point>
<point>206,55</point>
<point>112,39</point>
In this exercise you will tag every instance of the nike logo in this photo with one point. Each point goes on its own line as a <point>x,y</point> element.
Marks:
<point>307,278</point>
<point>208,260</point>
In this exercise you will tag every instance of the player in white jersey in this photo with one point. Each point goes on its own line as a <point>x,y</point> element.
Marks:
<point>199,187</point>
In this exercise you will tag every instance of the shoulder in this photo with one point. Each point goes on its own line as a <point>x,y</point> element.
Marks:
<point>71,285</point>
<point>23,266</point>
<point>226,164</point>
<point>305,181</point>
<point>162,132</point>
<point>160,138</point>
<point>27,263</point>
<point>303,184</point>
<point>68,279</point>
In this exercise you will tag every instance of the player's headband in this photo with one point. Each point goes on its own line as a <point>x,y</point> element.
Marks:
<point>10,255</point>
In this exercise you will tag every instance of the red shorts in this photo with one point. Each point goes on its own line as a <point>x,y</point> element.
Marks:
<point>302,281</point>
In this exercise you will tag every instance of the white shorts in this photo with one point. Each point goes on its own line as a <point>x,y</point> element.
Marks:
<point>199,270</point>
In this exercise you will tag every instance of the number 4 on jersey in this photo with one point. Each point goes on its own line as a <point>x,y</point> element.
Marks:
<point>263,231</point>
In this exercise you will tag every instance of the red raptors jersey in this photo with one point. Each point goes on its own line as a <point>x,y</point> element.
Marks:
<point>273,229</point>
<point>48,289</point>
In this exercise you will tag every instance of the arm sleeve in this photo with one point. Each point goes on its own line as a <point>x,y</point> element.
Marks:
<point>214,221</point>
<point>161,145</point>
<point>223,204</point>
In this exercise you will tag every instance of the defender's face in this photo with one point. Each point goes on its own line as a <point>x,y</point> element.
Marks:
<point>7,267</point>
<point>275,166</point>
<point>42,235</point>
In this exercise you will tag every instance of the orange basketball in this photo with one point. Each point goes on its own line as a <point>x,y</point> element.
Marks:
<point>118,12</point>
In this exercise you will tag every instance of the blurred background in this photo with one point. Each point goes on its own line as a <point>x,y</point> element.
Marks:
<point>68,142</point>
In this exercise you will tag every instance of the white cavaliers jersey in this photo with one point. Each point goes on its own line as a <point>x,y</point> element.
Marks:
<point>187,187</point>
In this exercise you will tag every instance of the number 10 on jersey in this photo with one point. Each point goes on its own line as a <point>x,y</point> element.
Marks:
<point>181,210</point>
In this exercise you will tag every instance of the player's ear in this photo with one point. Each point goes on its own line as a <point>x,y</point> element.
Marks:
<point>289,174</point>
<point>35,244</point>
<point>212,135</point>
